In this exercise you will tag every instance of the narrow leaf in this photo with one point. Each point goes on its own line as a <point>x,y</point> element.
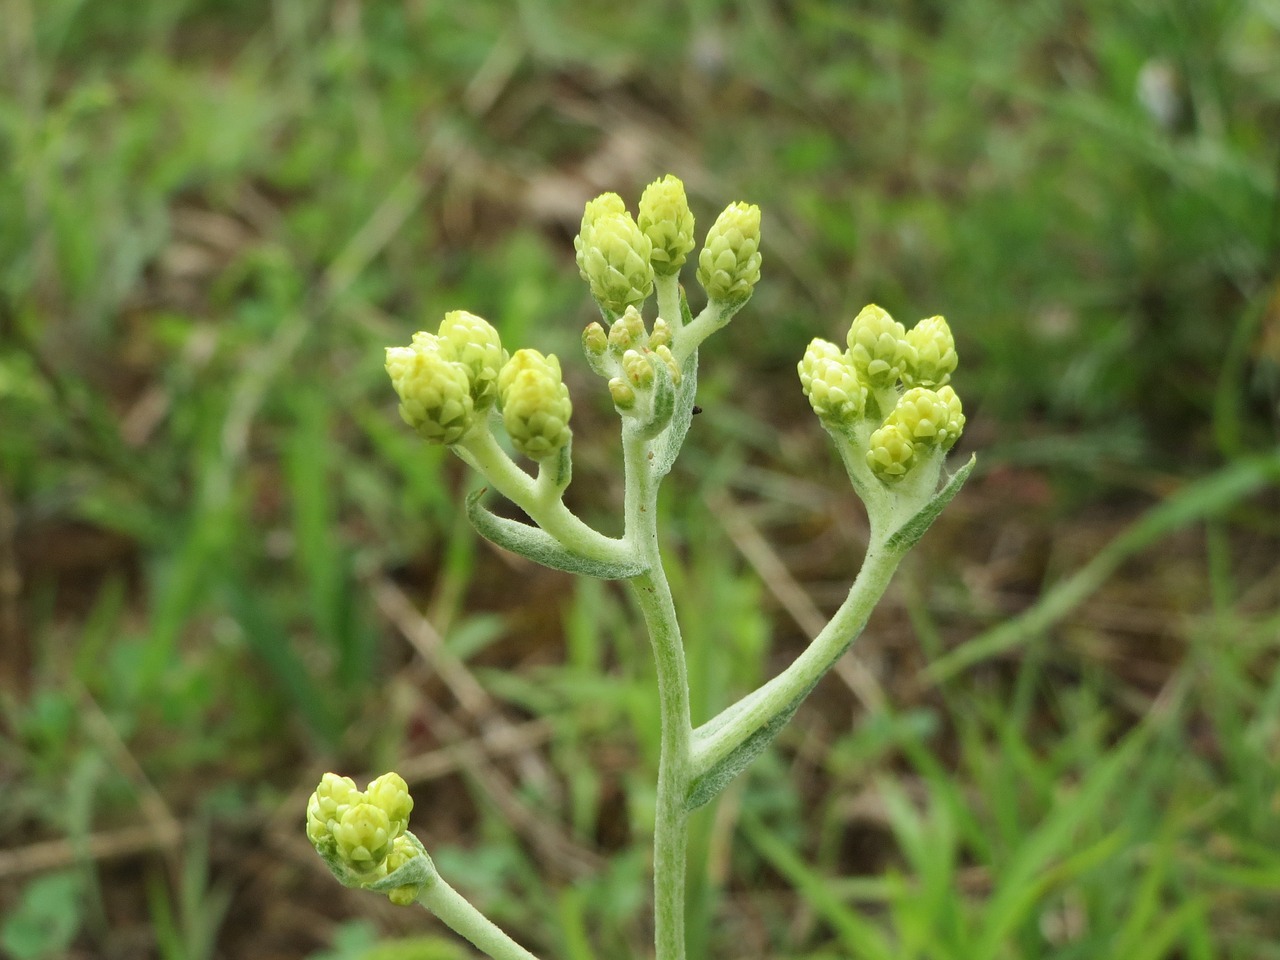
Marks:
<point>539,546</point>
<point>909,534</point>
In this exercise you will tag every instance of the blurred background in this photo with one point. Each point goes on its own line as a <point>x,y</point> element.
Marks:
<point>226,566</point>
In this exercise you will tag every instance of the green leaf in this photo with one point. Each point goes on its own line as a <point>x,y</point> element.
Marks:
<point>681,417</point>
<point>706,787</point>
<point>539,546</point>
<point>909,534</point>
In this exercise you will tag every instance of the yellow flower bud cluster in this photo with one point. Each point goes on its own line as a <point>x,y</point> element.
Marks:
<point>729,263</point>
<point>860,391</point>
<point>619,257</point>
<point>627,357</point>
<point>447,380</point>
<point>614,255</point>
<point>364,829</point>
<point>535,404</point>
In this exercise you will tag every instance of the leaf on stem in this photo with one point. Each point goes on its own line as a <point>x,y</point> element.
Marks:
<point>539,546</point>
<point>705,787</point>
<point>909,534</point>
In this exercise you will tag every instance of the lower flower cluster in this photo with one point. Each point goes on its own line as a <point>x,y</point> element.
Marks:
<point>364,830</point>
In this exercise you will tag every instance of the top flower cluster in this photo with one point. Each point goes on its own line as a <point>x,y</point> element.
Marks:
<point>619,256</point>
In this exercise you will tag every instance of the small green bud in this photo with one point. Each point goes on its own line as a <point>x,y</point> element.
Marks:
<point>624,395</point>
<point>931,418</point>
<point>402,851</point>
<point>935,354</point>
<point>391,793</point>
<point>615,261</point>
<point>664,354</point>
<point>890,453</point>
<point>729,264</point>
<point>535,404</point>
<point>878,347</point>
<point>828,379</point>
<point>594,340</point>
<point>665,219</point>
<point>473,342</point>
<point>627,331</point>
<point>605,205</point>
<point>363,836</point>
<point>950,433</point>
<point>434,391</point>
<point>661,335</point>
<point>331,799</point>
<point>638,368</point>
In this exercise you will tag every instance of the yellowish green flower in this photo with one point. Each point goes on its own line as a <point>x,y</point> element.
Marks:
<point>891,453</point>
<point>729,263</point>
<point>623,394</point>
<point>878,348</point>
<point>665,219</point>
<point>402,851</point>
<point>473,342</point>
<point>627,332</point>
<point>535,404</point>
<point>434,391</point>
<point>614,259</point>
<point>391,793</point>
<point>828,379</point>
<point>935,354</point>
<point>363,834</point>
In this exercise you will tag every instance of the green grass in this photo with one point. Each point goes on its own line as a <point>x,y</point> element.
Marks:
<point>214,216</point>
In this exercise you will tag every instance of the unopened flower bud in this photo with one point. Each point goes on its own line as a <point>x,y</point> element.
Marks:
<point>950,432</point>
<point>402,851</point>
<point>935,354</point>
<point>614,259</point>
<point>878,347</point>
<point>623,394</point>
<point>363,836</point>
<point>729,264</point>
<point>665,219</point>
<point>627,331</point>
<point>890,453</point>
<point>828,379</point>
<point>434,391</point>
<point>638,368</point>
<point>391,793</point>
<point>594,340</point>
<point>535,404</point>
<point>605,205</point>
<point>664,354</point>
<point>661,335</point>
<point>473,342</point>
<point>331,799</point>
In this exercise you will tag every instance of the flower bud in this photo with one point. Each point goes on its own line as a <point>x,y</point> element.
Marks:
<point>665,219</point>
<point>594,340</point>
<point>605,205</point>
<point>614,259</point>
<point>661,335</point>
<point>729,264</point>
<point>935,354</point>
<point>828,379</point>
<point>535,404</point>
<point>473,342</point>
<point>623,394</point>
<point>890,453</point>
<point>950,432</point>
<point>363,836</point>
<point>391,793</point>
<point>664,354</point>
<point>638,368</point>
<point>402,851</point>
<point>435,392</point>
<point>878,347</point>
<point>627,331</point>
<point>331,799</point>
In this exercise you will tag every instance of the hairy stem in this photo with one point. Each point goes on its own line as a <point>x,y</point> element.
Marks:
<point>719,736</point>
<point>460,916</point>
<point>653,596</point>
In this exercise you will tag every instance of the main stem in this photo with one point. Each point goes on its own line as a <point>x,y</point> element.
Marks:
<point>653,595</point>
